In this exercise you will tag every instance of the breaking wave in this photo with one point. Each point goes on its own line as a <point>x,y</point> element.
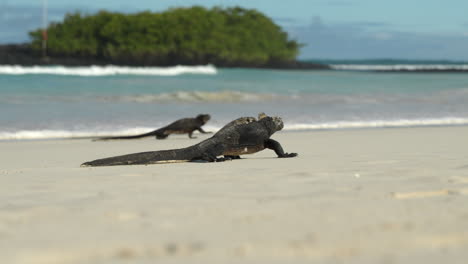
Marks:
<point>380,124</point>
<point>193,97</point>
<point>62,134</point>
<point>66,134</point>
<point>107,70</point>
<point>402,67</point>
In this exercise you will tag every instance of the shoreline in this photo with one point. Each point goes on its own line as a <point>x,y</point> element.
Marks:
<point>22,54</point>
<point>89,135</point>
<point>351,196</point>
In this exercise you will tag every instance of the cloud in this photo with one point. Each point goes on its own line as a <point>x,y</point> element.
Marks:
<point>374,40</point>
<point>287,21</point>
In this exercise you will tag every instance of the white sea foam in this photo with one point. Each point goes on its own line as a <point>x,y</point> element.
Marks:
<point>57,134</point>
<point>379,124</point>
<point>64,134</point>
<point>401,67</point>
<point>107,70</point>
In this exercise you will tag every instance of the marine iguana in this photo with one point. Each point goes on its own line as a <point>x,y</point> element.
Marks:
<point>181,126</point>
<point>245,135</point>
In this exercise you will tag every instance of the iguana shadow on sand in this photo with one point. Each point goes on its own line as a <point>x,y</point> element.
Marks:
<point>181,126</point>
<point>245,135</point>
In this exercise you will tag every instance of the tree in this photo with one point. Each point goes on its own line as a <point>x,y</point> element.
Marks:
<point>223,36</point>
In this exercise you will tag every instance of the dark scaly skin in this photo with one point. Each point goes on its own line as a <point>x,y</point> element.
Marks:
<point>241,136</point>
<point>236,122</point>
<point>181,126</point>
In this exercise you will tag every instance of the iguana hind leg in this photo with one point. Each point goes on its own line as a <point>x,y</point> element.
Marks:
<point>160,135</point>
<point>232,157</point>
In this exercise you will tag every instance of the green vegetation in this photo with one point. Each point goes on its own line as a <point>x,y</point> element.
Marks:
<point>222,36</point>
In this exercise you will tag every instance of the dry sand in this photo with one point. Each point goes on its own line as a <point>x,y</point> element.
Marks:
<point>352,196</point>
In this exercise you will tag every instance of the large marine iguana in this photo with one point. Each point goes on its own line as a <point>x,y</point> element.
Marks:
<point>245,135</point>
<point>181,126</point>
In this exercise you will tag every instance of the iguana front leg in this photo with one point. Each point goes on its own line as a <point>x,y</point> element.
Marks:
<point>190,135</point>
<point>276,146</point>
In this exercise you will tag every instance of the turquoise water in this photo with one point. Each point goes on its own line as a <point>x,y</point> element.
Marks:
<point>43,102</point>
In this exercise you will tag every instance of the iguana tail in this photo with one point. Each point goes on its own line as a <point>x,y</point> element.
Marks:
<point>150,157</point>
<point>158,133</point>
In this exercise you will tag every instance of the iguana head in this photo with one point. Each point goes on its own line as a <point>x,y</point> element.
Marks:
<point>203,118</point>
<point>272,123</point>
<point>278,123</point>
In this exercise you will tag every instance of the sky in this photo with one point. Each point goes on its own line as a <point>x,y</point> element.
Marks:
<point>329,29</point>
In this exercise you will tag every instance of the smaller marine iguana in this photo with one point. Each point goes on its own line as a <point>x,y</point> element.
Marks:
<point>245,135</point>
<point>181,126</point>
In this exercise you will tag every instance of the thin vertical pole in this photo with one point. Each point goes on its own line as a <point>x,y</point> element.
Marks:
<point>44,28</point>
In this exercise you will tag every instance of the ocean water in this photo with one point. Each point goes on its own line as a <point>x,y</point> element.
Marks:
<point>63,102</point>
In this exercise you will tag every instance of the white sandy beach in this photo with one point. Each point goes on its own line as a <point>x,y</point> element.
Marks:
<point>352,196</point>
